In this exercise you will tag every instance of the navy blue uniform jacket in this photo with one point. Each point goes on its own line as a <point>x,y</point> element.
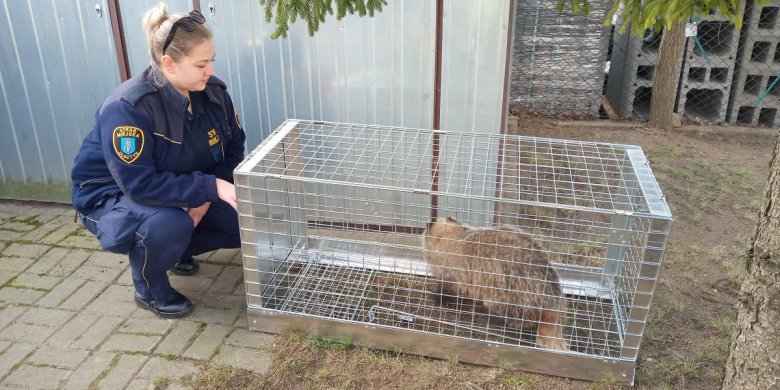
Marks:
<point>137,139</point>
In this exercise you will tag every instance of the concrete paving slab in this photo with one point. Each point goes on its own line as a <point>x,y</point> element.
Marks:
<point>10,313</point>
<point>17,264</point>
<point>34,334</point>
<point>55,356</point>
<point>123,372</point>
<point>31,251</point>
<point>152,326</point>
<point>46,317</point>
<point>179,338</point>
<point>119,342</point>
<point>23,296</point>
<point>83,295</point>
<point>34,377</point>
<point>68,333</point>
<point>255,360</point>
<point>206,344</point>
<point>13,356</point>
<point>67,312</point>
<point>98,332</point>
<point>158,367</point>
<point>89,371</point>
<point>99,274</point>
<point>108,260</point>
<point>70,262</point>
<point>35,281</point>
<point>249,339</point>
<point>60,292</point>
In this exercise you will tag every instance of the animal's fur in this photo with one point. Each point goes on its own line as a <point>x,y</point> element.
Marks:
<point>503,267</point>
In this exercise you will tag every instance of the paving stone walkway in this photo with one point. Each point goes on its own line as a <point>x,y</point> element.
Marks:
<point>68,320</point>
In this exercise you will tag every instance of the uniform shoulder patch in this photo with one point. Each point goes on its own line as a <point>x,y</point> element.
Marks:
<point>235,115</point>
<point>128,143</point>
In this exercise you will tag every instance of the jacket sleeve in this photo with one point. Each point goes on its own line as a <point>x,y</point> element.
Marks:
<point>128,146</point>
<point>234,148</point>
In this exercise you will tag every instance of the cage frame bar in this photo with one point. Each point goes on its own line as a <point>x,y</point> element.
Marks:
<point>578,366</point>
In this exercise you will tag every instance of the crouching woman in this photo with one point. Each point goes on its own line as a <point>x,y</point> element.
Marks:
<point>154,177</point>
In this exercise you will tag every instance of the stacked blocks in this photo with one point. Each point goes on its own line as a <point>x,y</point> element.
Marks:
<point>630,80</point>
<point>755,96</point>
<point>708,70</point>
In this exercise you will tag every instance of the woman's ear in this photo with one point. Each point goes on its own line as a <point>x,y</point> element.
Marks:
<point>168,66</point>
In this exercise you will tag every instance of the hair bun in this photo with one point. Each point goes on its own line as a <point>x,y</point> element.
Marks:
<point>154,18</point>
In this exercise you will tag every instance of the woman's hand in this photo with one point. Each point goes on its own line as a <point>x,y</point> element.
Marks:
<point>227,192</point>
<point>197,213</point>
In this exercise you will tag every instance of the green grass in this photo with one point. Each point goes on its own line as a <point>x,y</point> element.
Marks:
<point>31,190</point>
<point>520,382</point>
<point>664,151</point>
<point>217,377</point>
<point>161,383</point>
<point>724,323</point>
<point>708,294</point>
<point>328,343</point>
<point>735,270</point>
<point>674,369</point>
<point>714,350</point>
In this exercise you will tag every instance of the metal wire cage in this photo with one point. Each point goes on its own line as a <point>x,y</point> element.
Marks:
<point>333,217</point>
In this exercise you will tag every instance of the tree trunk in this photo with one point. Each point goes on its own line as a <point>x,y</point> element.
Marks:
<point>665,77</point>
<point>754,361</point>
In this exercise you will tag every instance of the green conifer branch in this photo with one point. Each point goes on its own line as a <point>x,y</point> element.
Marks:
<point>313,12</point>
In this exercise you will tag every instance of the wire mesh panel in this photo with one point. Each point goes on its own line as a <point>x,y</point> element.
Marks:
<point>534,252</point>
<point>558,59</point>
<point>755,96</point>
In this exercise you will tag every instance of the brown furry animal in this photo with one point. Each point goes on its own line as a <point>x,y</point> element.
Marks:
<point>503,267</point>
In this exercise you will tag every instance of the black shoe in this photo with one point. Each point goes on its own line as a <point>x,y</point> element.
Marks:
<point>185,267</point>
<point>177,306</point>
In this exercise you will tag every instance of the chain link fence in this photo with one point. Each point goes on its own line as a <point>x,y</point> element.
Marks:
<point>571,65</point>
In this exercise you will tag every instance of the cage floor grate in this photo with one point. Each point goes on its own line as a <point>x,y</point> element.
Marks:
<point>407,301</point>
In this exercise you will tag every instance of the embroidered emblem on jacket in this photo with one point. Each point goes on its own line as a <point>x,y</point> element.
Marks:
<point>128,143</point>
<point>213,137</point>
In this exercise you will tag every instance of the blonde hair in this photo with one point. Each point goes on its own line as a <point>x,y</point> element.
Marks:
<point>157,24</point>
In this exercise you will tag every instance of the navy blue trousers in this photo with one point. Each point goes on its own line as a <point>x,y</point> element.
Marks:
<point>157,237</point>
